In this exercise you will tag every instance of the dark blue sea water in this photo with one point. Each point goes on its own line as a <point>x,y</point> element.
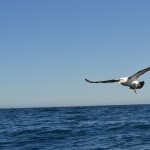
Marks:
<point>76,128</point>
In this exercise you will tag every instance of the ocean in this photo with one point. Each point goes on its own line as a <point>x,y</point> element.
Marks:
<point>76,128</point>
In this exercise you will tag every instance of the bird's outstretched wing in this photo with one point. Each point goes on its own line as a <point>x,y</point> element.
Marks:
<point>139,73</point>
<point>107,81</point>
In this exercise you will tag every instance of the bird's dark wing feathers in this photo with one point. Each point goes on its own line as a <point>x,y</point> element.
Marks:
<point>107,81</point>
<point>139,73</point>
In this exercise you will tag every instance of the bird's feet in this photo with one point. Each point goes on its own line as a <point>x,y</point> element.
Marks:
<point>135,91</point>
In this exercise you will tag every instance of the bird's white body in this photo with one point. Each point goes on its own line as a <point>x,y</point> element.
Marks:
<point>131,82</point>
<point>128,82</point>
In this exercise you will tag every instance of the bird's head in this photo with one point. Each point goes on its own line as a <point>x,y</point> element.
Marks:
<point>123,80</point>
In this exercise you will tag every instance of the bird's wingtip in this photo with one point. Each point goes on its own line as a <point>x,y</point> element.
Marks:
<point>86,80</point>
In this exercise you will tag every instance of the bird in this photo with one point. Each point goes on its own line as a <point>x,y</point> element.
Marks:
<point>131,81</point>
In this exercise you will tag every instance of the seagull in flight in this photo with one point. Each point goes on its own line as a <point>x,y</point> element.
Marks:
<point>131,81</point>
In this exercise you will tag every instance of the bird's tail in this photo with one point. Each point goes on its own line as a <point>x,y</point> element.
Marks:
<point>142,84</point>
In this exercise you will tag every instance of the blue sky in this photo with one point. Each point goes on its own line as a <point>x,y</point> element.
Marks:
<point>49,47</point>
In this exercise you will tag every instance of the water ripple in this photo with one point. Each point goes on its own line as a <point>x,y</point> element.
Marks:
<point>71,128</point>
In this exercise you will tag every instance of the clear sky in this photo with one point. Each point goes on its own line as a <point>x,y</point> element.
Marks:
<point>48,48</point>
